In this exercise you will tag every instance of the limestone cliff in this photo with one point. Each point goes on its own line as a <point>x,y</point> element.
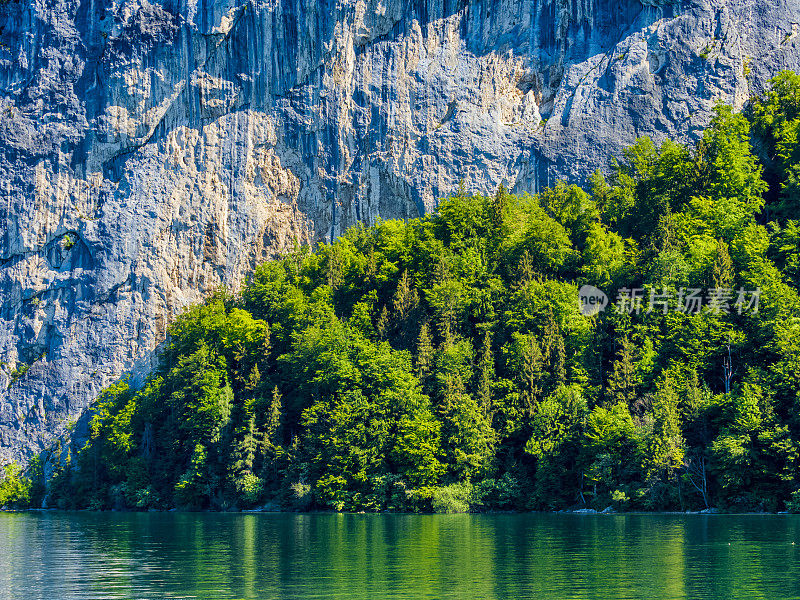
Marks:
<point>153,151</point>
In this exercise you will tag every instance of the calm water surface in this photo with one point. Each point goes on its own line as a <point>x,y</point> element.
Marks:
<point>64,556</point>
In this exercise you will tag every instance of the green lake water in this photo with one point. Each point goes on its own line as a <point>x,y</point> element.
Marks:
<point>64,556</point>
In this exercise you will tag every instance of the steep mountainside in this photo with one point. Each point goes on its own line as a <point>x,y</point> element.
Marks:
<point>155,151</point>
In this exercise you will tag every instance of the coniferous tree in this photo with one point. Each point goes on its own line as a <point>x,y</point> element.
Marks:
<point>522,401</point>
<point>622,384</point>
<point>723,267</point>
<point>425,350</point>
<point>486,374</point>
<point>532,374</point>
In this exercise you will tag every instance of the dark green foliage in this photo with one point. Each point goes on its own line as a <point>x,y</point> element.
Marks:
<point>443,363</point>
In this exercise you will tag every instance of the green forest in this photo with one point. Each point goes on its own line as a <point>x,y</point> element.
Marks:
<point>444,363</point>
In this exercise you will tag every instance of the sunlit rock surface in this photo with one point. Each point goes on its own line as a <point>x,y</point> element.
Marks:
<point>154,151</point>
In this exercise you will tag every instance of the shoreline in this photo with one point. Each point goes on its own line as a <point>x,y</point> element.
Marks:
<point>581,512</point>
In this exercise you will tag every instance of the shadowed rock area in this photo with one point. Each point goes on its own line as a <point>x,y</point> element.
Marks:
<point>152,152</point>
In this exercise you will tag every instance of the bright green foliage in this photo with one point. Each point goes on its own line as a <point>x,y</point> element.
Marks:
<point>15,488</point>
<point>779,107</point>
<point>453,498</point>
<point>604,256</point>
<point>443,363</point>
<point>776,118</point>
<point>663,443</point>
<point>371,429</point>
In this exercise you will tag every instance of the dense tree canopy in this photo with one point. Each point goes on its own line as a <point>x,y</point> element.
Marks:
<point>444,363</point>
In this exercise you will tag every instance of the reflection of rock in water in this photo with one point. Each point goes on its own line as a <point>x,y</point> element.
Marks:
<point>155,151</point>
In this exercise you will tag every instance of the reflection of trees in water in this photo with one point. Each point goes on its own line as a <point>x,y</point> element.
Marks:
<point>543,556</point>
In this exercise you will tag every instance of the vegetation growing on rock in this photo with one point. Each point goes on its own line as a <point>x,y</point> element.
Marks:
<point>443,363</point>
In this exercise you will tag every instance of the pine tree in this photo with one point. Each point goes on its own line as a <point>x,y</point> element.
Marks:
<point>424,353</point>
<point>245,448</point>
<point>383,323</point>
<point>526,271</point>
<point>532,374</point>
<point>273,423</point>
<point>622,385</point>
<point>406,300</point>
<point>334,273</point>
<point>665,447</point>
<point>497,209</point>
<point>555,355</point>
<point>486,374</point>
<point>723,267</point>
<point>253,380</point>
<point>371,270</point>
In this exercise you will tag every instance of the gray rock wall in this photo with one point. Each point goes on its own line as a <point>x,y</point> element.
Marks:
<point>153,151</point>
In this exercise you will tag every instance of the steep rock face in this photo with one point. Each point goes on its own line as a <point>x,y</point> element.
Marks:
<point>153,151</point>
